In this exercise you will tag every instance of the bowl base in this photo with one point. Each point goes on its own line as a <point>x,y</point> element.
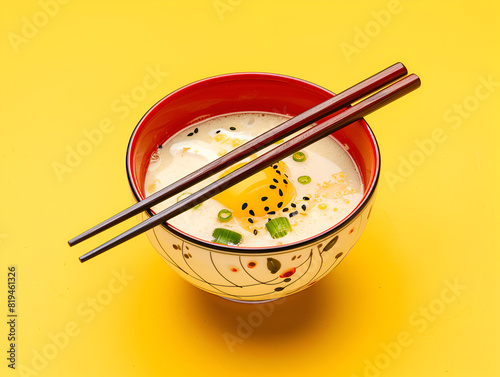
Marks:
<point>250,302</point>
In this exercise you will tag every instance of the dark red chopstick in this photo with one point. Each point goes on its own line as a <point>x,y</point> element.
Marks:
<point>279,132</point>
<point>356,112</point>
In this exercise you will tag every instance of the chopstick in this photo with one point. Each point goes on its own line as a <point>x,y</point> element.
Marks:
<point>350,115</point>
<point>262,141</point>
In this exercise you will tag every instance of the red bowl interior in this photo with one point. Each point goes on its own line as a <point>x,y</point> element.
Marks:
<point>242,92</point>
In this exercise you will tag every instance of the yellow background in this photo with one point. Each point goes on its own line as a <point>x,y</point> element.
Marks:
<point>417,296</point>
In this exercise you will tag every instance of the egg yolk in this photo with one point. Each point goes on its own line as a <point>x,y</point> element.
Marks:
<point>266,192</point>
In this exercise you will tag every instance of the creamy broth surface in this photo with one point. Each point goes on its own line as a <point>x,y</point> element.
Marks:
<point>334,190</point>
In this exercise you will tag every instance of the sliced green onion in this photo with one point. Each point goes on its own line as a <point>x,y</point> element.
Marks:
<point>226,237</point>
<point>299,156</point>
<point>224,215</point>
<point>304,179</point>
<point>279,227</point>
<point>184,195</point>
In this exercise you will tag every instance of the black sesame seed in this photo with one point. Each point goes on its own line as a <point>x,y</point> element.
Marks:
<point>303,207</point>
<point>245,205</point>
<point>275,166</point>
<point>266,208</point>
<point>196,130</point>
<point>277,171</point>
<point>271,213</point>
<point>264,198</point>
<point>232,128</point>
<point>250,221</point>
<point>293,205</point>
<point>306,198</point>
<point>285,181</point>
<point>268,220</point>
<point>251,212</point>
<point>285,209</point>
<point>160,146</point>
<point>280,204</point>
<point>280,192</point>
<point>293,213</point>
<point>286,176</point>
<point>275,180</point>
<point>190,134</point>
<point>255,231</point>
<point>217,131</point>
<point>272,187</point>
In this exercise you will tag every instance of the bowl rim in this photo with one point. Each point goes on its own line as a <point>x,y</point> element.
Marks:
<point>235,250</point>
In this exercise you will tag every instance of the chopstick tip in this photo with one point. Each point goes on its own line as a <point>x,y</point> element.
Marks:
<point>401,66</point>
<point>85,257</point>
<point>416,79</point>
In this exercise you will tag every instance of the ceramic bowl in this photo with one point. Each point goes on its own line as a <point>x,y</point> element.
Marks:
<point>251,274</point>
